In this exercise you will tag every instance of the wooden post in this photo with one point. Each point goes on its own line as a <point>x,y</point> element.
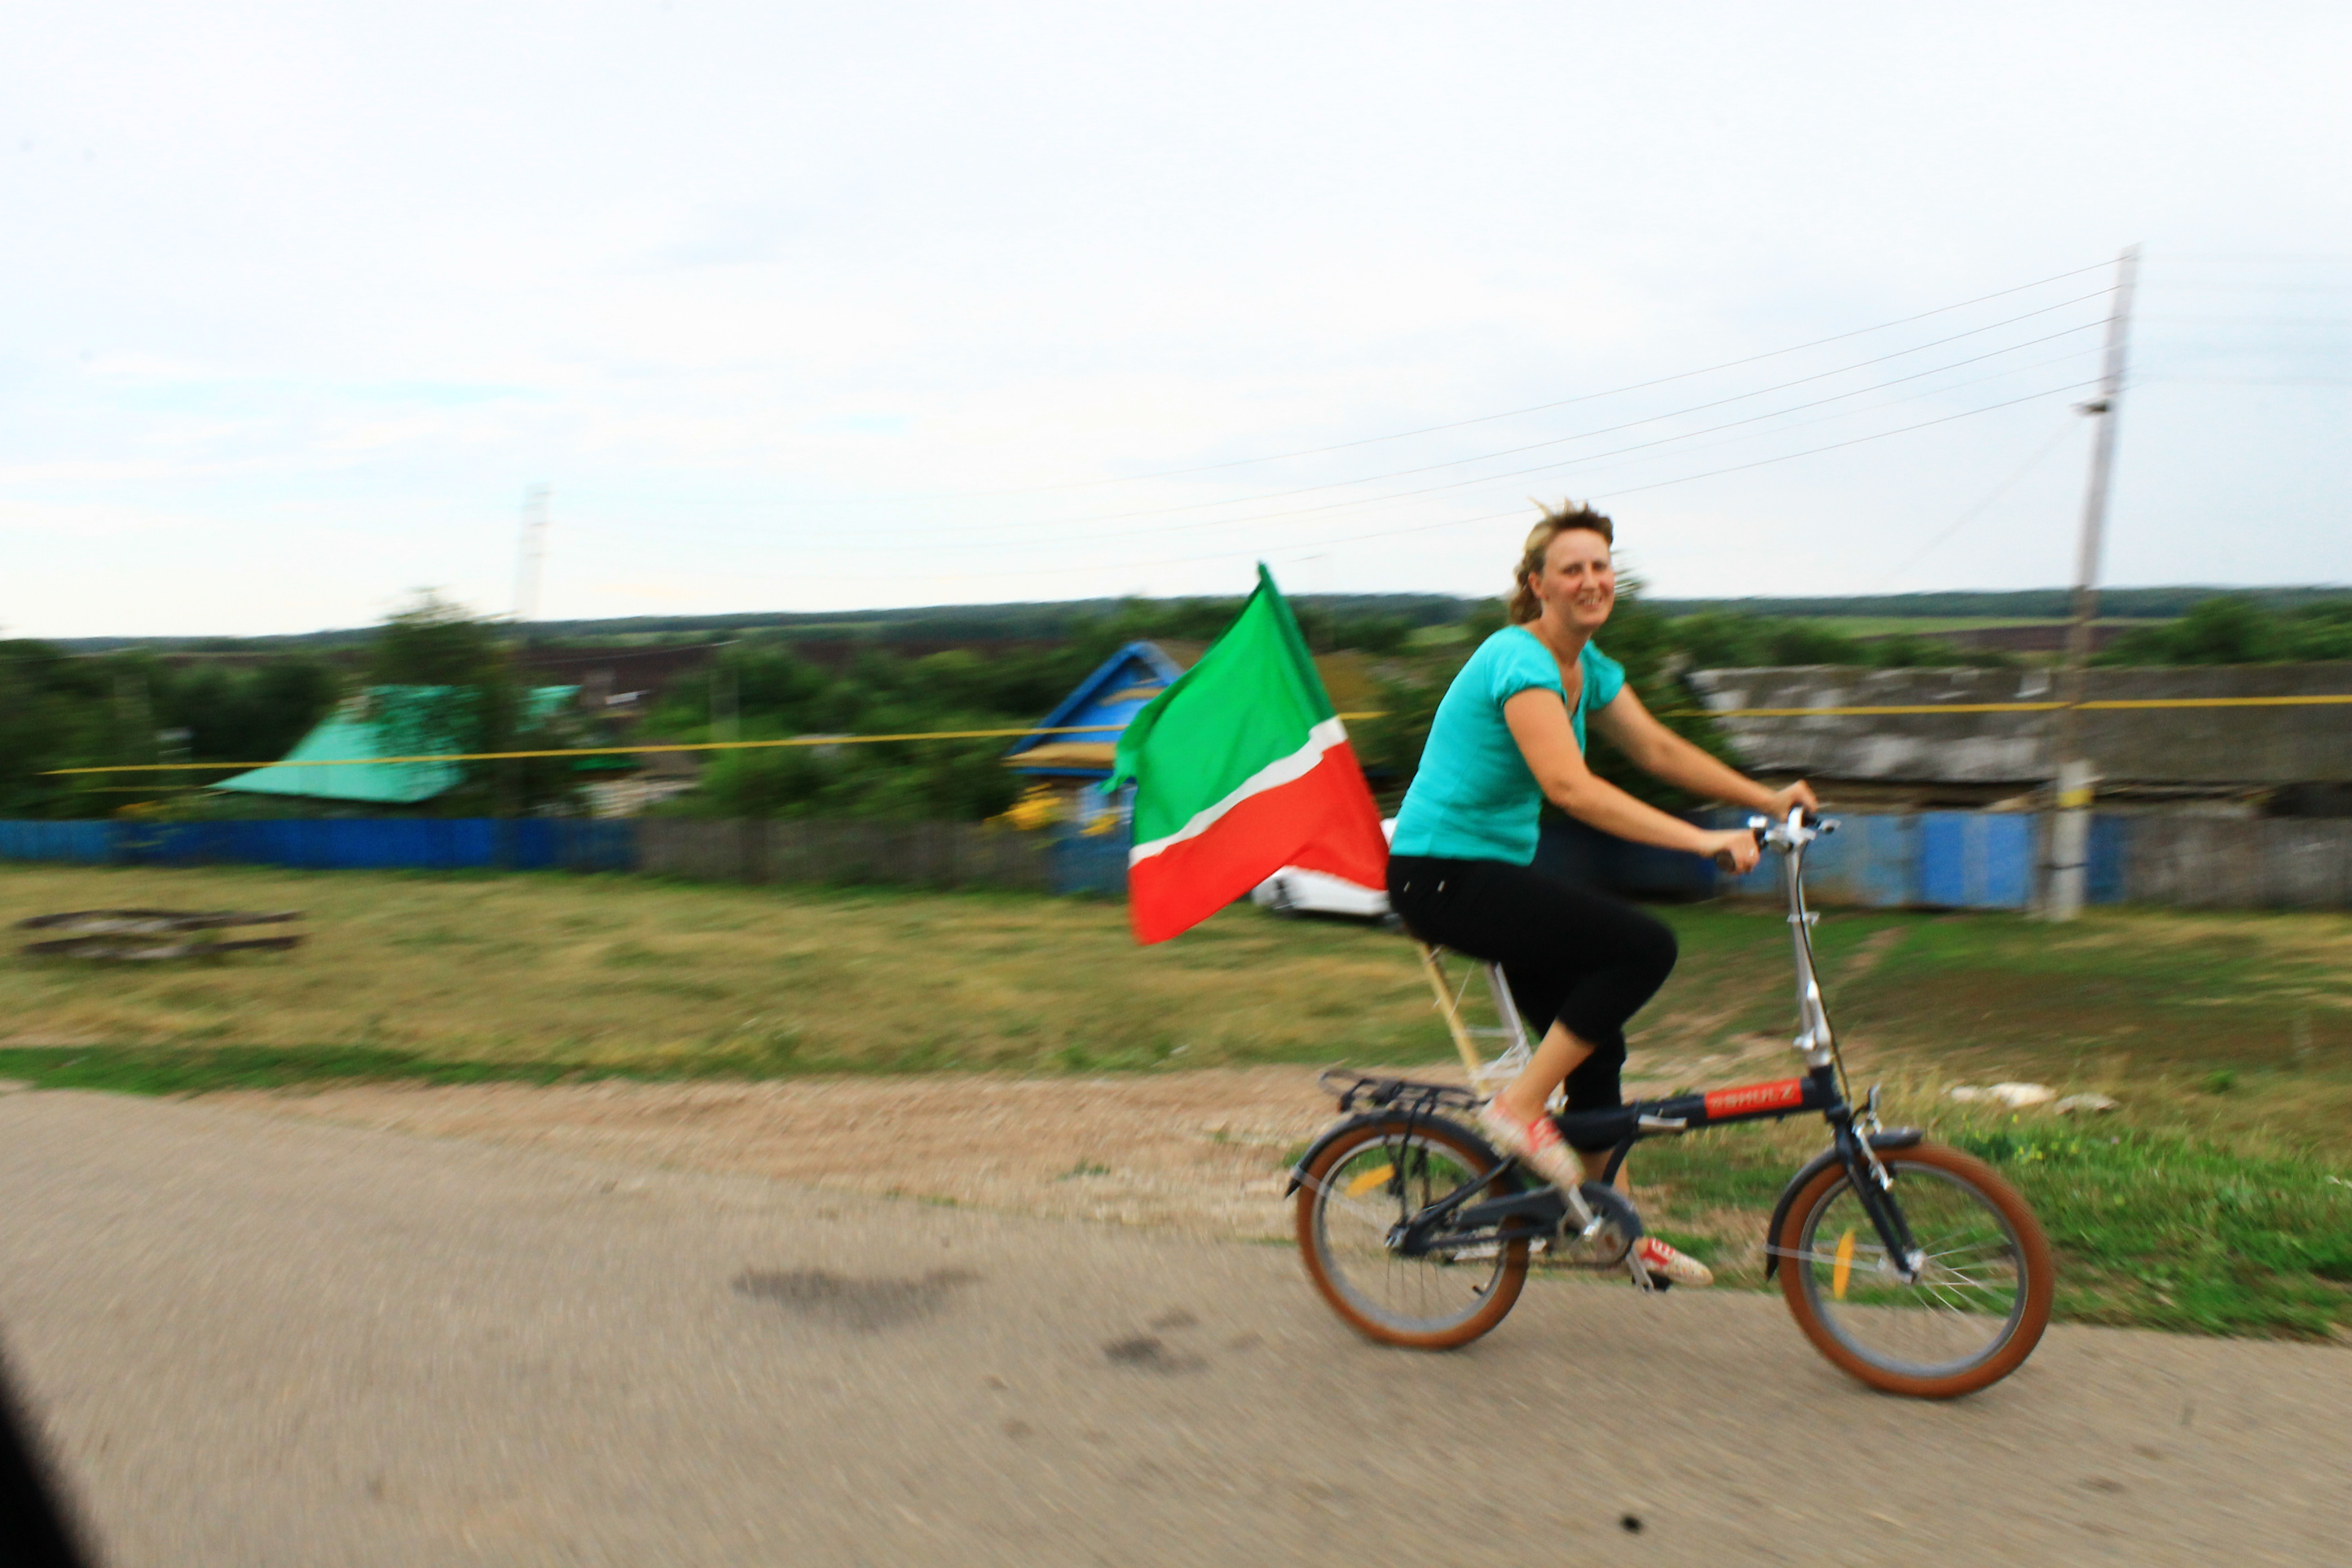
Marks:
<point>2070,828</point>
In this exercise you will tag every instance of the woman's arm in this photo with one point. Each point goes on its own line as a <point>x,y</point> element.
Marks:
<point>1660,752</point>
<point>1538,722</point>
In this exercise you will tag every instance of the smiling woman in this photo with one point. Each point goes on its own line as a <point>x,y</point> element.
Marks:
<point>1509,735</point>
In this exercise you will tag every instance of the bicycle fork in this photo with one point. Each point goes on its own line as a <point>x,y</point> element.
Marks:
<point>1874,1189</point>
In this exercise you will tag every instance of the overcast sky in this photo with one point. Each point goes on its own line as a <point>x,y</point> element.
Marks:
<point>800,307</point>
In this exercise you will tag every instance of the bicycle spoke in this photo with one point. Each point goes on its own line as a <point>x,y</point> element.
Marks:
<point>1359,1201</point>
<point>1956,1310</point>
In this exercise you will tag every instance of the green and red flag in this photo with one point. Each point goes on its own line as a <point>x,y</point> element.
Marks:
<point>1240,767</point>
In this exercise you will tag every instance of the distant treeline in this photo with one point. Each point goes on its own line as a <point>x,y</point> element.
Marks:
<point>2241,629</point>
<point>1050,622</point>
<point>1057,620</point>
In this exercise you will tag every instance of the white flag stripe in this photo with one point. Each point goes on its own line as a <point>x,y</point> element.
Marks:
<point>1273,775</point>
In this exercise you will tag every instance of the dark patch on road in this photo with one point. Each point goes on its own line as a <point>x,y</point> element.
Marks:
<point>1147,1353</point>
<point>847,1302</point>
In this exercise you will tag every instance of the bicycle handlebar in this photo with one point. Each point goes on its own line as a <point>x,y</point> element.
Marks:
<point>1801,827</point>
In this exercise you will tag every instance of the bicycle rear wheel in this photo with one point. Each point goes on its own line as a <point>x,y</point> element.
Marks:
<point>1978,1306</point>
<point>1368,1181</point>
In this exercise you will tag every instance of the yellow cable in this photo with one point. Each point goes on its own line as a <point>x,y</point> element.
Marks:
<point>1889,710</point>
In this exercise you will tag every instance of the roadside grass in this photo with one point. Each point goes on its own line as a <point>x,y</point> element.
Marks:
<point>637,976</point>
<point>2151,1229</point>
<point>1923,626</point>
<point>2214,1199</point>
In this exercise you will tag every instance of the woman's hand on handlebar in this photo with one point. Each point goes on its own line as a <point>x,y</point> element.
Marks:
<point>1735,851</point>
<point>1798,794</point>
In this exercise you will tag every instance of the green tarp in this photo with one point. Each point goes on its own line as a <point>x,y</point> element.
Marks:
<point>385,723</point>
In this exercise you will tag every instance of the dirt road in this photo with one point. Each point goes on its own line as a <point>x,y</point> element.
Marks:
<point>1201,1151</point>
<point>267,1341</point>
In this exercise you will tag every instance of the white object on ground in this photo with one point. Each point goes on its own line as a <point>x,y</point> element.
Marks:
<point>2094,1103</point>
<point>2016,1096</point>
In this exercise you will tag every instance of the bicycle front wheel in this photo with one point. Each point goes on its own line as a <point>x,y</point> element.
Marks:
<point>1368,1181</point>
<point>1972,1316</point>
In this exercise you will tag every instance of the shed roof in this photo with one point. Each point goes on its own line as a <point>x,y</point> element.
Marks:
<point>2220,746</point>
<point>1111,696</point>
<point>351,738</point>
<point>1117,690</point>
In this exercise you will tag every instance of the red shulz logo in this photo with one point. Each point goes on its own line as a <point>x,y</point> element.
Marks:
<point>1786,1093</point>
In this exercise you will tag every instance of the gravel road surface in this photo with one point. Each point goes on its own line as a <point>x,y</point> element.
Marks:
<point>257,1340</point>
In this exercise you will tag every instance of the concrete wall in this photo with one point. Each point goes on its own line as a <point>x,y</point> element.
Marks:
<point>2238,863</point>
<point>1991,860</point>
<point>2205,746</point>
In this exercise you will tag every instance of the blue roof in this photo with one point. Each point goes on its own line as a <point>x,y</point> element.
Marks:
<point>1109,698</point>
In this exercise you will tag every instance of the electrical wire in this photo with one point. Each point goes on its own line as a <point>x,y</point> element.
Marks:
<point>1973,512</point>
<point>998,528</point>
<point>1515,512</point>
<point>1480,419</point>
<point>1588,458</point>
<point>2249,380</point>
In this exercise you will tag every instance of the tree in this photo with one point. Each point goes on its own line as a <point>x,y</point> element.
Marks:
<point>441,681</point>
<point>2240,630</point>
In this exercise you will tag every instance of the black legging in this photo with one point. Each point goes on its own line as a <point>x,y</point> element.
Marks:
<point>1572,955</point>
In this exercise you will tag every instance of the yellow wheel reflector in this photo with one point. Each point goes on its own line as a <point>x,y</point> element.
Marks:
<point>1369,1180</point>
<point>1844,1270</point>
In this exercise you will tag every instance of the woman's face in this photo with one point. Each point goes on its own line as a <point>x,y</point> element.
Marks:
<point>1577,584</point>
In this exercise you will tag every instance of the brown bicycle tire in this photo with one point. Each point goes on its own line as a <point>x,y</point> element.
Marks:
<point>2041,1282</point>
<point>1510,1277</point>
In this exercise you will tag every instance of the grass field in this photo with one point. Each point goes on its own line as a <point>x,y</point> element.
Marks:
<point>2218,1197</point>
<point>1921,625</point>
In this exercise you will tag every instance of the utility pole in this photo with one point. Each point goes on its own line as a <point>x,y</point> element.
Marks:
<point>532,554</point>
<point>2070,825</point>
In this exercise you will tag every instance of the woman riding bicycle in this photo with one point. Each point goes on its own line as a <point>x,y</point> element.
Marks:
<point>1508,735</point>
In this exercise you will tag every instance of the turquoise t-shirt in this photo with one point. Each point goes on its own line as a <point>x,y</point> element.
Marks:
<point>1473,798</point>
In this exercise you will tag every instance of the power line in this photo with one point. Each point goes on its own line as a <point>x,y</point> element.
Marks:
<point>1584,435</point>
<point>1521,511</point>
<point>1588,458</point>
<point>1483,418</point>
<point>1973,512</point>
<point>2258,288</point>
<point>1856,441</point>
<point>2250,380</point>
<point>2257,321</point>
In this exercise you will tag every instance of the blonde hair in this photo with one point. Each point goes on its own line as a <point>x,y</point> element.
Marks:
<point>1524,604</point>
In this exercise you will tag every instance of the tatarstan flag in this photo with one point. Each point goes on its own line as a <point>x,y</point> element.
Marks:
<point>1242,768</point>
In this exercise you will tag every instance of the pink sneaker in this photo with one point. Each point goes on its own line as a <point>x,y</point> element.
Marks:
<point>1667,1263</point>
<point>1537,1144</point>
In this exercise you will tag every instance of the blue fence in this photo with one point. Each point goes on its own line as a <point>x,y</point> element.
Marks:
<point>1971,860</point>
<point>1940,859</point>
<point>1084,864</point>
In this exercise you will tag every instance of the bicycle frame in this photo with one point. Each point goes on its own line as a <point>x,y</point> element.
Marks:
<point>1455,1220</point>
